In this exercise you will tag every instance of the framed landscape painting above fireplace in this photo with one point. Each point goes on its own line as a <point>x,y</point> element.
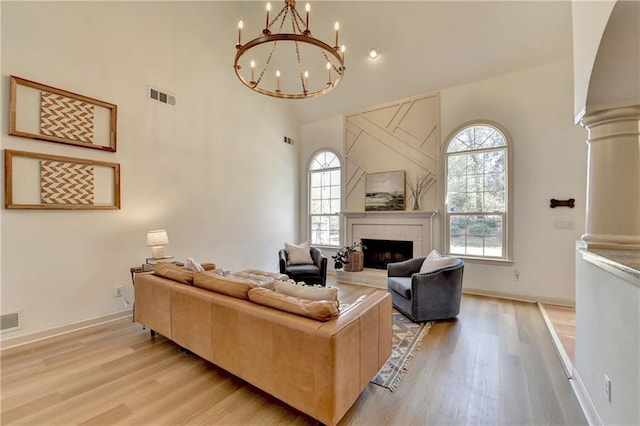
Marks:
<point>385,191</point>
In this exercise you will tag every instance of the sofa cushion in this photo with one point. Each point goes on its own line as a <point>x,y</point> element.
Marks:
<point>401,285</point>
<point>320,310</point>
<point>231,286</point>
<point>435,261</point>
<point>173,272</point>
<point>261,278</point>
<point>298,254</point>
<point>307,292</point>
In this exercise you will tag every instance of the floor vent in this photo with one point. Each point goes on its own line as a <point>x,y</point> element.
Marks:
<point>10,321</point>
<point>162,97</point>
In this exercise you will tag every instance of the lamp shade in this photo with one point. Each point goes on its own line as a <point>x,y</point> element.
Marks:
<point>157,238</point>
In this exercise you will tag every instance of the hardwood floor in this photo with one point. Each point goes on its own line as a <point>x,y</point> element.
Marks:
<point>563,320</point>
<point>494,365</point>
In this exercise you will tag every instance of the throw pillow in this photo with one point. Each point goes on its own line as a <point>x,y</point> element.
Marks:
<point>231,286</point>
<point>320,310</point>
<point>298,254</point>
<point>435,261</point>
<point>173,272</point>
<point>192,265</point>
<point>308,292</point>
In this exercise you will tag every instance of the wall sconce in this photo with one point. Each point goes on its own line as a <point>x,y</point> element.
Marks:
<point>157,240</point>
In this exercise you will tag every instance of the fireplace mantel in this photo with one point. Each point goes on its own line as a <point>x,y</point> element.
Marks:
<point>400,213</point>
<point>406,225</point>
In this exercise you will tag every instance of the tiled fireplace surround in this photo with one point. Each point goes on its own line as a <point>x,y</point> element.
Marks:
<point>415,226</point>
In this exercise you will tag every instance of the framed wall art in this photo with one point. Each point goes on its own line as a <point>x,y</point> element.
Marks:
<point>385,191</point>
<point>53,182</point>
<point>38,111</point>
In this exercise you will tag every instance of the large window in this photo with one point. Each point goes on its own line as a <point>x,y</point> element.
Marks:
<point>324,199</point>
<point>477,192</point>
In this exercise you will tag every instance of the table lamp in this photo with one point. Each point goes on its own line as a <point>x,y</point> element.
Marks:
<point>157,240</point>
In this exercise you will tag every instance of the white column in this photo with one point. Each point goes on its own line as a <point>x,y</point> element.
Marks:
<point>613,178</point>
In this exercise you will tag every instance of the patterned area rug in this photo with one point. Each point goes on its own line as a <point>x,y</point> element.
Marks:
<point>407,336</point>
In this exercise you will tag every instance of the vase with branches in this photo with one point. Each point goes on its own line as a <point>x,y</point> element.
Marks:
<point>341,257</point>
<point>421,186</point>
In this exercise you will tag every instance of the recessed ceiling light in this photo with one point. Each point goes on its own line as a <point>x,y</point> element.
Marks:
<point>373,53</point>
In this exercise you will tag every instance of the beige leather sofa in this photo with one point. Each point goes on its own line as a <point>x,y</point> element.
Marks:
<point>319,368</point>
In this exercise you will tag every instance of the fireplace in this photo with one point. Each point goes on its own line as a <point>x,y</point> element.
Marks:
<point>377,253</point>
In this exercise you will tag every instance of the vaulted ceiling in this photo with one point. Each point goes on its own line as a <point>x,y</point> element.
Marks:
<point>428,45</point>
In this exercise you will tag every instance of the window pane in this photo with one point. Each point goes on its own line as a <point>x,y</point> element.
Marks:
<point>478,235</point>
<point>335,177</point>
<point>315,180</point>
<point>326,178</point>
<point>314,207</point>
<point>335,192</point>
<point>493,236</point>
<point>315,193</point>
<point>458,232</point>
<point>335,206</point>
<point>326,192</point>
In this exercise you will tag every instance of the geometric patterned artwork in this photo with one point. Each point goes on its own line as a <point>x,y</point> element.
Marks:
<point>66,118</point>
<point>66,183</point>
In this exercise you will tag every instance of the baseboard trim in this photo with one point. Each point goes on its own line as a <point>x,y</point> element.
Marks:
<point>567,365</point>
<point>520,298</point>
<point>13,342</point>
<point>589,410</point>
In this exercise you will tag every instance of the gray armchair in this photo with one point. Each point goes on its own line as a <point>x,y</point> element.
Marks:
<point>310,274</point>
<point>424,297</point>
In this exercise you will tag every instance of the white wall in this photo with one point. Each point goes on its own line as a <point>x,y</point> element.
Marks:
<point>213,170</point>
<point>535,106</point>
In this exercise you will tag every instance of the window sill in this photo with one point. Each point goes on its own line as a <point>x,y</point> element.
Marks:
<point>484,260</point>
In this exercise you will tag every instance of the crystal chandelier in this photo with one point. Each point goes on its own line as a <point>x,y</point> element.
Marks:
<point>289,65</point>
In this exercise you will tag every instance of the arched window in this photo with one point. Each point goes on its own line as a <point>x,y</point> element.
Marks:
<point>477,192</point>
<point>324,199</point>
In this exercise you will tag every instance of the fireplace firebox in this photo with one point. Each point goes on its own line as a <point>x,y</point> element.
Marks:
<point>377,253</point>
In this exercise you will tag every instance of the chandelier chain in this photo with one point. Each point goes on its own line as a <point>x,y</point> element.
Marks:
<point>275,43</point>
<point>300,39</point>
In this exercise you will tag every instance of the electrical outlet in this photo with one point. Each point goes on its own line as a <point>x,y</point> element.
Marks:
<point>516,275</point>
<point>118,292</point>
<point>607,388</point>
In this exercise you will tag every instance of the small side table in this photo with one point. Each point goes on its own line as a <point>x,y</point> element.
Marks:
<point>144,268</point>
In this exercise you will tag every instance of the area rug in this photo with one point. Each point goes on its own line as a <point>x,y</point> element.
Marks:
<point>407,337</point>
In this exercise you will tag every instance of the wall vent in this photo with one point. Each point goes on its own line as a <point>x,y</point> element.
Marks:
<point>10,321</point>
<point>162,97</point>
<point>288,140</point>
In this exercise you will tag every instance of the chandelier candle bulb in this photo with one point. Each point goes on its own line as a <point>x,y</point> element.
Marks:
<point>329,72</point>
<point>240,25</point>
<point>277,81</point>
<point>307,8</point>
<point>342,49</point>
<point>306,80</point>
<point>268,10</point>
<point>337,28</point>
<point>253,68</point>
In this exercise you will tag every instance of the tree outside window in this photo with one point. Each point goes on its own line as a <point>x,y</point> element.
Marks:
<point>477,192</point>
<point>324,199</point>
